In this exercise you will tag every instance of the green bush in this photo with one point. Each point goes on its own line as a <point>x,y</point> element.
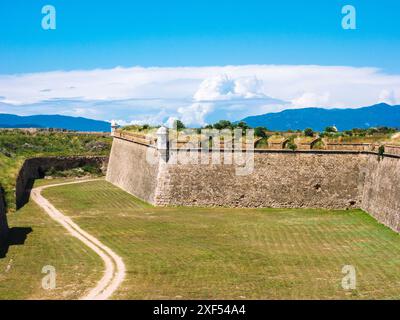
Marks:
<point>291,145</point>
<point>319,145</point>
<point>309,132</point>
<point>242,125</point>
<point>260,132</point>
<point>330,129</point>
<point>179,125</point>
<point>223,124</point>
<point>381,150</point>
<point>262,143</point>
<point>86,170</point>
<point>92,169</point>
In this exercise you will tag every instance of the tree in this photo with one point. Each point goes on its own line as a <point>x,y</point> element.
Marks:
<point>331,129</point>
<point>179,125</point>
<point>349,133</point>
<point>381,151</point>
<point>243,125</point>
<point>223,124</point>
<point>291,145</point>
<point>309,132</point>
<point>260,132</point>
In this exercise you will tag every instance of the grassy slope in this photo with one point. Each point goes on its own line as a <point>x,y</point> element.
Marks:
<point>198,253</point>
<point>77,267</point>
<point>16,146</point>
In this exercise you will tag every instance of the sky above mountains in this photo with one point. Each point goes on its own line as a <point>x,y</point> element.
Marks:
<point>197,61</point>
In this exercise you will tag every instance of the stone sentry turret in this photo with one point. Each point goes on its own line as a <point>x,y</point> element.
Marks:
<point>163,143</point>
<point>114,127</point>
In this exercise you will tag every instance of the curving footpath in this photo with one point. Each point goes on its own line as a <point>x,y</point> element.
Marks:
<point>114,266</point>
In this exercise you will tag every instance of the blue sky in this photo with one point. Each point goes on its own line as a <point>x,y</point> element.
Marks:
<point>242,58</point>
<point>104,34</point>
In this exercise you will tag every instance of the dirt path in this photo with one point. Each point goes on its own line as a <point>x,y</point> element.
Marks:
<point>114,266</point>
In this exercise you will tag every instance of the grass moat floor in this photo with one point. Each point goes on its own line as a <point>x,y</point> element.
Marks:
<point>201,253</point>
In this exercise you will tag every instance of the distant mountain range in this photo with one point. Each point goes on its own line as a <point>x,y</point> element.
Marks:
<point>318,118</point>
<point>292,119</point>
<point>53,121</point>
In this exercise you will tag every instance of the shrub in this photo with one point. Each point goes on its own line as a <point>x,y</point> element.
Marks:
<point>309,132</point>
<point>262,143</point>
<point>331,129</point>
<point>381,150</point>
<point>242,125</point>
<point>260,132</point>
<point>319,145</point>
<point>223,124</point>
<point>291,145</point>
<point>92,169</point>
<point>179,125</point>
<point>348,133</point>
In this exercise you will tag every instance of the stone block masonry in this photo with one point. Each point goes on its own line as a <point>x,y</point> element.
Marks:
<point>130,169</point>
<point>280,179</point>
<point>381,190</point>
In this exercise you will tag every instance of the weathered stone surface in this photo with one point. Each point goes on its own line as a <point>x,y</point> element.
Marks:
<point>293,180</point>
<point>381,190</point>
<point>130,169</point>
<point>3,217</point>
<point>308,179</point>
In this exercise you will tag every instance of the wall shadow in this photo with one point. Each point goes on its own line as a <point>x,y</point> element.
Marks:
<point>16,237</point>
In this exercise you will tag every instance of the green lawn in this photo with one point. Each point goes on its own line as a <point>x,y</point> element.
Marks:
<point>199,253</point>
<point>38,241</point>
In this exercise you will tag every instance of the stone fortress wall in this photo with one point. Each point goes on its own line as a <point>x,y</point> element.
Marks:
<point>381,190</point>
<point>279,180</point>
<point>3,218</point>
<point>332,179</point>
<point>130,169</point>
<point>34,168</point>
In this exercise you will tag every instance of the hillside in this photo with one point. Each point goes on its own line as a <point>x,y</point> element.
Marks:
<point>319,118</point>
<point>53,121</point>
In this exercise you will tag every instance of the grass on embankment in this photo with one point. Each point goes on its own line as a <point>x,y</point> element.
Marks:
<point>17,145</point>
<point>202,253</point>
<point>38,241</point>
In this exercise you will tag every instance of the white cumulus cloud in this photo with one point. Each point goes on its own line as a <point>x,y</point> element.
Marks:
<point>388,96</point>
<point>197,95</point>
<point>195,114</point>
<point>224,88</point>
<point>311,99</point>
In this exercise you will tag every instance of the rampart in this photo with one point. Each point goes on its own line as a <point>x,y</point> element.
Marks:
<point>3,217</point>
<point>381,190</point>
<point>130,169</point>
<point>35,168</point>
<point>332,179</point>
<point>279,180</point>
